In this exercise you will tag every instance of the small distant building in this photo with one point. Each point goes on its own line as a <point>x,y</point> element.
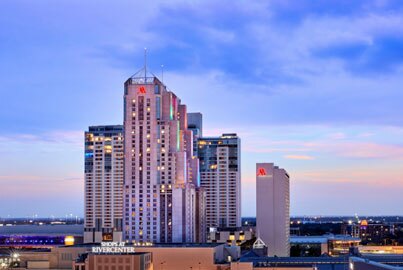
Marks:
<point>370,232</point>
<point>259,247</point>
<point>330,244</point>
<point>229,236</point>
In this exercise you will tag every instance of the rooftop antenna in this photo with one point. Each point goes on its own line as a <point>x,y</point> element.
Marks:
<point>145,65</point>
<point>162,73</point>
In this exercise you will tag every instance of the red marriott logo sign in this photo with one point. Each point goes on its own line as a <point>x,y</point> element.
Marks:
<point>261,172</point>
<point>142,90</point>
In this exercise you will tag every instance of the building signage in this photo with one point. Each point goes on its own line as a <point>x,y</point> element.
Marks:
<point>142,90</point>
<point>261,172</point>
<point>113,247</point>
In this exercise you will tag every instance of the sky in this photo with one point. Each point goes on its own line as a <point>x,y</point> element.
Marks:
<point>313,86</point>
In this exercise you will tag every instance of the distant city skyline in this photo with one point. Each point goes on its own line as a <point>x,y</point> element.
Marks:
<point>324,105</point>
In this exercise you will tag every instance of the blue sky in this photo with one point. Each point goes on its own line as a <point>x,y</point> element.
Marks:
<point>313,86</point>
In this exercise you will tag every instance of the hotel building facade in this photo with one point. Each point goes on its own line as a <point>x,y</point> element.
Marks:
<point>273,208</point>
<point>220,176</point>
<point>160,186</point>
<point>103,184</point>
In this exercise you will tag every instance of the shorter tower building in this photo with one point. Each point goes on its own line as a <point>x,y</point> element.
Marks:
<point>273,208</point>
<point>220,176</point>
<point>103,184</point>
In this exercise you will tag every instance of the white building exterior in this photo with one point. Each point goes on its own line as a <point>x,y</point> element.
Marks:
<point>160,193</point>
<point>103,184</point>
<point>220,176</point>
<point>273,208</point>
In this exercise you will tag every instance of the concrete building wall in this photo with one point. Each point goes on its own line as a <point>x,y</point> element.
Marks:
<point>164,257</point>
<point>132,262</point>
<point>363,264</point>
<point>57,257</point>
<point>230,237</point>
<point>174,258</point>
<point>38,265</point>
<point>220,176</point>
<point>63,257</point>
<point>200,208</point>
<point>158,203</point>
<point>381,249</point>
<point>273,208</point>
<point>103,184</point>
<point>249,266</point>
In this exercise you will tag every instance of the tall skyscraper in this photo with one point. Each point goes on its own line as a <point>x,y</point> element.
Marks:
<point>103,184</point>
<point>160,179</point>
<point>220,176</point>
<point>273,208</point>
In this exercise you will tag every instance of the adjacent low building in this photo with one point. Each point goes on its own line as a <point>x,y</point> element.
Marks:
<point>228,236</point>
<point>381,250</point>
<point>330,244</point>
<point>394,263</point>
<point>141,256</point>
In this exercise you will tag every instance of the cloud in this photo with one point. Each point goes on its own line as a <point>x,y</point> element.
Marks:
<point>299,157</point>
<point>337,136</point>
<point>367,150</point>
<point>18,179</point>
<point>52,141</point>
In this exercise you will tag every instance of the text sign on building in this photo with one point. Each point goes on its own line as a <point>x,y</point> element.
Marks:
<point>113,247</point>
<point>142,90</point>
<point>261,172</point>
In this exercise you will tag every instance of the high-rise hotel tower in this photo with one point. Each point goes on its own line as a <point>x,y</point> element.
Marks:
<point>220,176</point>
<point>103,184</point>
<point>160,174</point>
<point>273,208</point>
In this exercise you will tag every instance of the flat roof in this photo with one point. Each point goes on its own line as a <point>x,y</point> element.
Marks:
<point>118,254</point>
<point>159,245</point>
<point>308,239</point>
<point>186,245</point>
<point>295,260</point>
<point>322,239</point>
